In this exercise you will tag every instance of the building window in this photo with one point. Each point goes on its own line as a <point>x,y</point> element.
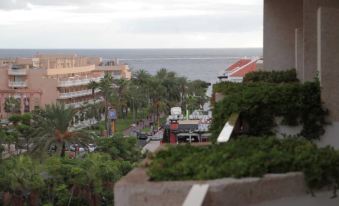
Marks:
<point>36,103</point>
<point>12,105</point>
<point>26,104</point>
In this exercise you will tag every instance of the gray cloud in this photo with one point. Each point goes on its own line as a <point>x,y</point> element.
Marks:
<point>188,24</point>
<point>130,23</point>
<point>9,4</point>
<point>169,4</point>
<point>24,4</point>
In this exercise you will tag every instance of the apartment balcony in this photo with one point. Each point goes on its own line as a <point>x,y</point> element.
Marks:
<point>17,84</point>
<point>17,72</point>
<point>77,94</point>
<point>77,82</point>
<point>82,103</point>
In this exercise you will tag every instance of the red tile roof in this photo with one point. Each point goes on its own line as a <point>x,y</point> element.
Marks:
<point>240,63</point>
<point>250,67</point>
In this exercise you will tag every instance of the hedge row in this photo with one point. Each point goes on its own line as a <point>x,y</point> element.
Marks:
<point>272,77</point>
<point>248,157</point>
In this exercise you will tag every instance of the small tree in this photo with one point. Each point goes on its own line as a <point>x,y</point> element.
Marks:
<point>106,88</point>
<point>52,127</point>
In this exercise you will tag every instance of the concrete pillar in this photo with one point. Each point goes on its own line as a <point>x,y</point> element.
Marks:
<point>328,58</point>
<point>299,53</point>
<point>310,8</point>
<point>281,18</point>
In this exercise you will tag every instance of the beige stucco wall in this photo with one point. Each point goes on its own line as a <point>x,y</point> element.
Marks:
<point>328,58</point>
<point>4,77</point>
<point>74,70</point>
<point>281,20</point>
<point>27,62</point>
<point>121,69</point>
<point>310,8</point>
<point>94,60</point>
<point>37,80</point>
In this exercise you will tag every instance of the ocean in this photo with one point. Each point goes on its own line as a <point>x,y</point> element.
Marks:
<point>204,64</point>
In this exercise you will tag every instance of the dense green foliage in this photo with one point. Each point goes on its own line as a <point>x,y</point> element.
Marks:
<point>84,180</point>
<point>119,148</point>
<point>147,95</point>
<point>272,77</point>
<point>52,129</point>
<point>164,90</point>
<point>248,157</point>
<point>53,169</point>
<point>260,104</point>
<point>87,180</point>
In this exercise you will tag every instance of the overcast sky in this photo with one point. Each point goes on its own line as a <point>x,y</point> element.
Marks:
<point>130,23</point>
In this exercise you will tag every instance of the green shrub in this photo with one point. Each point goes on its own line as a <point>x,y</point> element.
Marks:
<point>272,76</point>
<point>15,118</point>
<point>260,103</point>
<point>248,157</point>
<point>120,148</point>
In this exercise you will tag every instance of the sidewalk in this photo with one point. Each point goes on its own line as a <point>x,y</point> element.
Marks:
<point>152,146</point>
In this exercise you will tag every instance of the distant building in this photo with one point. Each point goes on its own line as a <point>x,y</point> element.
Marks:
<point>28,83</point>
<point>237,71</point>
<point>304,34</point>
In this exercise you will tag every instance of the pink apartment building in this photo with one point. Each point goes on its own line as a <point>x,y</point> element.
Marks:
<point>34,82</point>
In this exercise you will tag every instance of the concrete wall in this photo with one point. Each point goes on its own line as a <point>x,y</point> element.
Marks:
<point>328,59</point>
<point>299,53</point>
<point>331,137</point>
<point>135,190</point>
<point>281,18</point>
<point>310,8</point>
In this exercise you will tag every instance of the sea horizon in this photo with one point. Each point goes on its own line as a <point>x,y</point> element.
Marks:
<point>194,63</point>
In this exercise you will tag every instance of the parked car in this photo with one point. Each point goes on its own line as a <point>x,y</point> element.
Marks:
<point>77,148</point>
<point>143,139</point>
<point>156,138</point>
<point>91,147</point>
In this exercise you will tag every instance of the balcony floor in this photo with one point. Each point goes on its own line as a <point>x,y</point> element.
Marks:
<point>321,199</point>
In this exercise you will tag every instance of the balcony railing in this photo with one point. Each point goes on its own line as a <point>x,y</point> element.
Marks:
<point>17,84</point>
<point>17,72</point>
<point>82,103</point>
<point>77,82</point>
<point>76,94</point>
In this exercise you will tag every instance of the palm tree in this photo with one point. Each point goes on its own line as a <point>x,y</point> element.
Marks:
<point>52,128</point>
<point>182,86</point>
<point>94,111</point>
<point>157,95</point>
<point>122,86</point>
<point>93,86</point>
<point>141,77</point>
<point>106,88</point>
